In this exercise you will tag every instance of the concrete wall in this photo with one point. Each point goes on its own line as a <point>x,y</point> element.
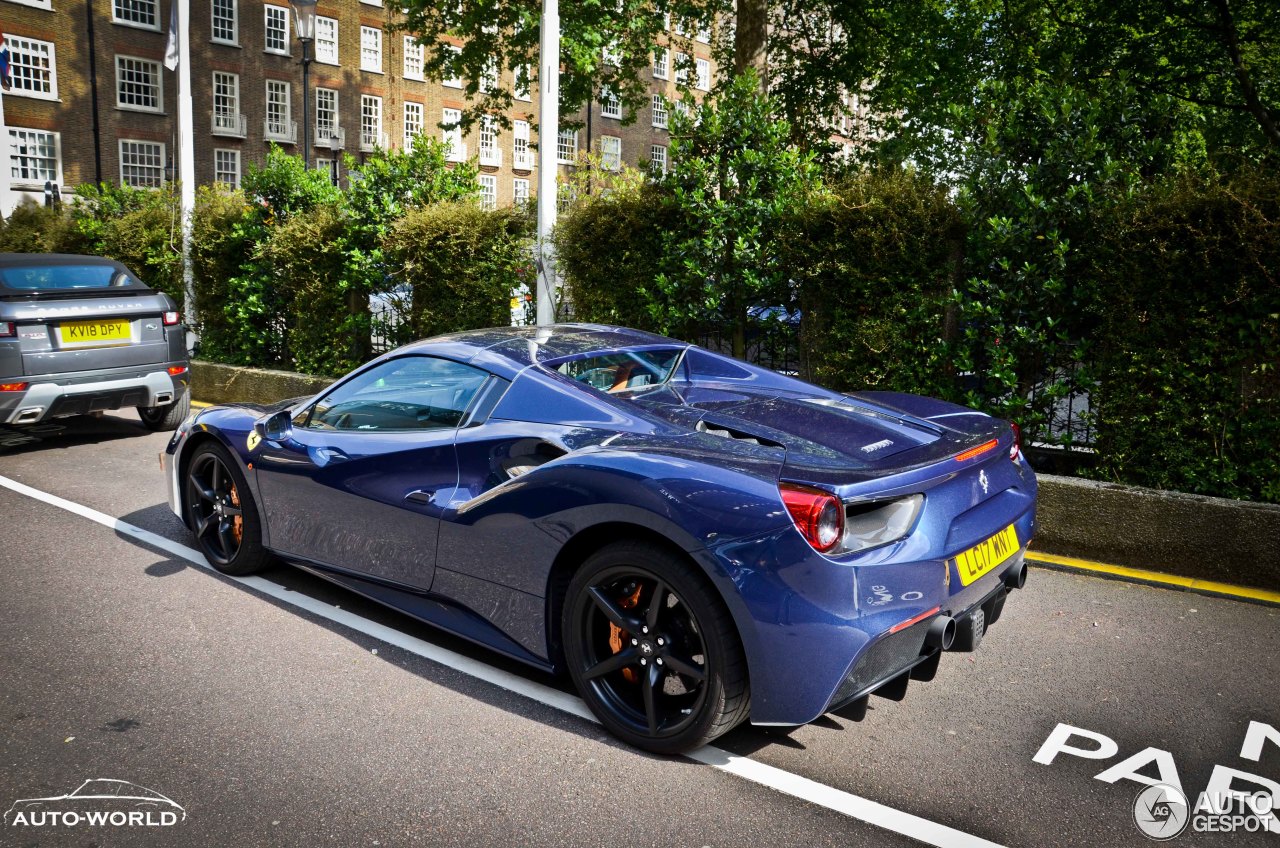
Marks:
<point>1189,535</point>
<point>214,383</point>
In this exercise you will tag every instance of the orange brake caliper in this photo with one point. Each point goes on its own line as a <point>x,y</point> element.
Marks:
<point>237,523</point>
<point>615,632</point>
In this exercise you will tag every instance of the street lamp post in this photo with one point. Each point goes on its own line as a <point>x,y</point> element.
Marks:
<point>304,15</point>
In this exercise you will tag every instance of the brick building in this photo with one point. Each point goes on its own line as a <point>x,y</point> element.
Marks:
<point>92,100</point>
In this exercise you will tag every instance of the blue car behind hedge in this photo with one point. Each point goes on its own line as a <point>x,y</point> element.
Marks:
<point>696,541</point>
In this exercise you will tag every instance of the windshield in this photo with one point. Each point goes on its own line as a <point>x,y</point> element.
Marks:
<point>623,371</point>
<point>66,277</point>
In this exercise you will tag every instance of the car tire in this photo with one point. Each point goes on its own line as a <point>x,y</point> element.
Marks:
<point>653,650</point>
<point>160,418</point>
<point>215,496</point>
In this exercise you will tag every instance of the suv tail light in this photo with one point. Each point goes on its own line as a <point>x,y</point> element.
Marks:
<point>7,328</point>
<point>171,318</point>
<point>13,387</point>
<point>1015,449</point>
<point>818,515</point>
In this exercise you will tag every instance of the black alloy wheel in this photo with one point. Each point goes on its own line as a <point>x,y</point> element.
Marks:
<point>221,513</point>
<point>652,649</point>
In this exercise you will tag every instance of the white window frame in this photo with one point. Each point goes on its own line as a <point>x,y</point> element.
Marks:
<point>372,2</point>
<point>415,116</point>
<point>611,152</point>
<point>490,153</point>
<point>327,46</point>
<point>234,40</point>
<point>116,18</point>
<point>286,106</point>
<point>525,93</point>
<point>281,15</point>
<point>327,117</point>
<point>330,165</point>
<point>658,159</point>
<point>142,143</point>
<point>229,107</point>
<point>44,52</point>
<point>519,192</point>
<point>489,77</point>
<point>567,141</point>
<point>662,63</point>
<point>218,171</point>
<point>15,146</point>
<point>488,191</point>
<point>370,121</point>
<point>661,114</point>
<point>681,68</point>
<point>704,34</point>
<point>415,57</point>
<point>35,4</point>
<point>703,79</point>
<point>371,49</point>
<point>521,156</point>
<point>158,109</point>
<point>456,149</point>
<point>610,104</point>
<point>453,82</point>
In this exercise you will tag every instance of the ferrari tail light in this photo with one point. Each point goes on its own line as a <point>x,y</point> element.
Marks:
<point>7,328</point>
<point>171,318</point>
<point>978,451</point>
<point>1015,449</point>
<point>818,515</point>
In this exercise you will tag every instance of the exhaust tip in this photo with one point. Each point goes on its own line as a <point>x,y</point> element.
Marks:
<point>941,633</point>
<point>1016,577</point>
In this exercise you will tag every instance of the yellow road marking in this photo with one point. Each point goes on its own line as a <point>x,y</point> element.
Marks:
<point>199,404</point>
<point>1208,587</point>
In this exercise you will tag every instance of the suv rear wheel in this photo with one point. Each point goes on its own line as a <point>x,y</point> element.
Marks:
<point>167,417</point>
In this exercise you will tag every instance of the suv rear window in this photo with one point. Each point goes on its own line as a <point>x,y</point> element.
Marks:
<point>68,277</point>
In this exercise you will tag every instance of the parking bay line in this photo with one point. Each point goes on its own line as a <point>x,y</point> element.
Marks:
<point>819,794</point>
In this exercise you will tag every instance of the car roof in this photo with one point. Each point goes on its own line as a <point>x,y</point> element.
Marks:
<point>517,348</point>
<point>21,259</point>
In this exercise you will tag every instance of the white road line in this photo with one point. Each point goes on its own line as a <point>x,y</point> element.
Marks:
<point>782,781</point>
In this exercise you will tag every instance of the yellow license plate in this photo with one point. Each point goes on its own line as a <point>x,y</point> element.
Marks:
<point>85,333</point>
<point>985,556</point>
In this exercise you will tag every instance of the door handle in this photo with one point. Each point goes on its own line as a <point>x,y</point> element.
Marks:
<point>419,496</point>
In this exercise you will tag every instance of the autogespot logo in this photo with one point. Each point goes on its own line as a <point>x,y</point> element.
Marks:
<point>1161,812</point>
<point>101,802</point>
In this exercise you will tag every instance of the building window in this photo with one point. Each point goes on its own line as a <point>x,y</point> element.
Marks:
<point>412,123</point>
<point>489,76</point>
<point>371,49</point>
<point>142,13</point>
<point>139,84</point>
<point>326,114</point>
<point>521,156</point>
<point>610,104</point>
<point>226,167</point>
<point>610,55</point>
<point>226,103</point>
<point>34,157</point>
<point>451,135</point>
<point>141,163</point>
<point>279,124</point>
<point>456,80</point>
<point>704,33</point>
<point>413,57</point>
<point>704,75</point>
<point>661,63</point>
<point>658,159</point>
<point>659,111</point>
<point>520,192</point>
<point>277,30</point>
<point>225,25</point>
<point>326,41</point>
<point>488,191</point>
<point>489,152</point>
<point>370,122</point>
<point>330,165</point>
<point>522,83</point>
<point>682,68</point>
<point>610,152</point>
<point>32,65</point>
<point>566,196</point>
<point>567,146</point>
<point>372,2</point>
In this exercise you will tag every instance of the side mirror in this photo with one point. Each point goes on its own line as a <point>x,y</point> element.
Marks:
<point>275,427</point>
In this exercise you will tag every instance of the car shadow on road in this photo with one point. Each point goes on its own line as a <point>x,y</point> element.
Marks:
<point>65,433</point>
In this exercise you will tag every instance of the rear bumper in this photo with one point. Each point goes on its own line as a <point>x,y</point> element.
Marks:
<point>61,395</point>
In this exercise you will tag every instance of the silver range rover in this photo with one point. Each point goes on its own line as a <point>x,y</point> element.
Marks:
<point>80,335</point>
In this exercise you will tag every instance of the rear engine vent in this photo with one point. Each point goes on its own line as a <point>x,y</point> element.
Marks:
<point>736,435</point>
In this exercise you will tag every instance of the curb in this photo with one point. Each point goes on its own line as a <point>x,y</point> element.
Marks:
<point>1156,579</point>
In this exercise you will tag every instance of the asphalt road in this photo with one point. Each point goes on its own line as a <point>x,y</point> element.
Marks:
<point>274,725</point>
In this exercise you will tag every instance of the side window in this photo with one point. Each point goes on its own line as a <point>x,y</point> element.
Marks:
<point>409,393</point>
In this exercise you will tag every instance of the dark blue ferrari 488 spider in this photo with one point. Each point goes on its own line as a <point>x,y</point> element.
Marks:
<point>696,541</point>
